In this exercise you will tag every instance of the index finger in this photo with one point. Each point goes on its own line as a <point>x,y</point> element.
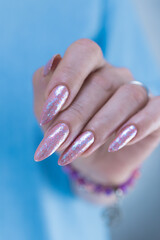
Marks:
<point>80,59</point>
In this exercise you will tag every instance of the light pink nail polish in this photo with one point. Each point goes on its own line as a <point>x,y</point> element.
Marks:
<point>51,64</point>
<point>54,103</point>
<point>124,137</point>
<point>52,141</point>
<point>80,145</point>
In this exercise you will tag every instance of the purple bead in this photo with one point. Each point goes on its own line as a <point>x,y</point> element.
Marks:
<point>74,174</point>
<point>98,188</point>
<point>81,181</point>
<point>109,191</point>
<point>123,188</point>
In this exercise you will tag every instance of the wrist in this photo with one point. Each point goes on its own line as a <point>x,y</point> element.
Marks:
<point>107,174</point>
<point>100,193</point>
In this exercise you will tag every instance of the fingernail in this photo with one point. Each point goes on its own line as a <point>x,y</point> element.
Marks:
<point>51,64</point>
<point>54,103</point>
<point>52,141</point>
<point>125,136</point>
<point>80,145</point>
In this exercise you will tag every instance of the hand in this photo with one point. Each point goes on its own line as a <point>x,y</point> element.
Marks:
<point>83,104</point>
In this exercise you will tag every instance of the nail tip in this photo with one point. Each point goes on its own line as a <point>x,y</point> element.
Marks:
<point>44,121</point>
<point>51,142</point>
<point>109,150</point>
<point>112,150</point>
<point>36,159</point>
<point>41,121</point>
<point>62,163</point>
<point>41,124</point>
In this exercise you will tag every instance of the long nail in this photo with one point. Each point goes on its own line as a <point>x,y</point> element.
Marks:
<point>124,137</point>
<point>54,103</point>
<point>52,141</point>
<point>51,64</point>
<point>80,145</point>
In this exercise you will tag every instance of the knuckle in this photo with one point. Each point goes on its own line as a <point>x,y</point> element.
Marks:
<point>90,45</point>
<point>125,73</point>
<point>105,82</point>
<point>68,72</point>
<point>137,93</point>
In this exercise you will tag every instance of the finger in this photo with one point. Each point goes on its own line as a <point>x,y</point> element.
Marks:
<point>81,58</point>
<point>81,110</point>
<point>40,81</point>
<point>141,125</point>
<point>111,116</point>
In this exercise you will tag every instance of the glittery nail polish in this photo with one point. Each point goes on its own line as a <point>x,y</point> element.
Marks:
<point>124,137</point>
<point>51,64</point>
<point>80,145</point>
<point>54,103</point>
<point>52,141</point>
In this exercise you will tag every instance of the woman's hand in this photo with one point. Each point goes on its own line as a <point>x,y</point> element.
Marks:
<point>83,104</point>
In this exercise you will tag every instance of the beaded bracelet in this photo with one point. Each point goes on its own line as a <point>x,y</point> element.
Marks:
<point>98,188</point>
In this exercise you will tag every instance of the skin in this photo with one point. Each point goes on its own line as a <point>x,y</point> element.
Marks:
<point>100,100</point>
